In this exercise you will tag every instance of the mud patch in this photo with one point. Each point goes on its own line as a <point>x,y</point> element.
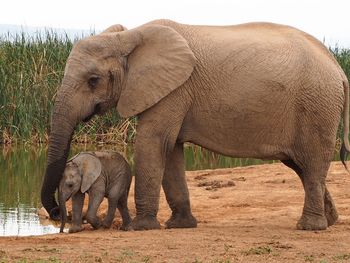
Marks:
<point>215,184</point>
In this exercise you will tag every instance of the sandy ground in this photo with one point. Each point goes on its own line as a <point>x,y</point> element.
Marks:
<point>245,215</point>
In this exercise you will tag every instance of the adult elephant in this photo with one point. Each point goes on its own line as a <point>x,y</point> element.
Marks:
<point>255,90</point>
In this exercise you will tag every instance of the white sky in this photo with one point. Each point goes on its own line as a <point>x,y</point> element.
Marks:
<point>325,19</point>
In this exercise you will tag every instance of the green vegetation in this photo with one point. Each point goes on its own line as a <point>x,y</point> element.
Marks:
<point>258,251</point>
<point>31,69</point>
<point>343,58</point>
<point>342,257</point>
<point>30,72</point>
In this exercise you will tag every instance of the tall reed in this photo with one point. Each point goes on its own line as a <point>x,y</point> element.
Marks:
<point>31,69</point>
<point>343,57</point>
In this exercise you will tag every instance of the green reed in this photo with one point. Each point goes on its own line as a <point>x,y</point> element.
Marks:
<point>343,57</point>
<point>31,69</point>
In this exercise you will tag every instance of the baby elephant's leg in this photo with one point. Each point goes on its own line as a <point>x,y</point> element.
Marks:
<point>95,199</point>
<point>117,198</point>
<point>113,197</point>
<point>112,206</point>
<point>78,203</point>
<point>124,211</point>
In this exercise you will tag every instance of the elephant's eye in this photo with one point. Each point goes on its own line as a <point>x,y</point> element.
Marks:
<point>70,185</point>
<point>93,81</point>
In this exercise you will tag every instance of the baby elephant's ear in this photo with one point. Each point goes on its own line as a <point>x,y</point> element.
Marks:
<point>71,159</point>
<point>90,168</point>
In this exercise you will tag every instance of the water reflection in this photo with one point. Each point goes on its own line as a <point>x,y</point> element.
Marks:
<point>23,221</point>
<point>197,158</point>
<point>22,170</point>
<point>19,191</point>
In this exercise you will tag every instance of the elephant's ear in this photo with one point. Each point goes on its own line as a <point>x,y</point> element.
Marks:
<point>90,168</point>
<point>159,61</point>
<point>113,29</point>
<point>71,159</point>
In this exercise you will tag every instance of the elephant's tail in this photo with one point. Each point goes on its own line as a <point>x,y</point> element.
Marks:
<point>345,147</point>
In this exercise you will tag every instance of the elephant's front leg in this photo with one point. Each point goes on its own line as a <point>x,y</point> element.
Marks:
<point>149,172</point>
<point>176,190</point>
<point>96,196</point>
<point>157,131</point>
<point>78,203</point>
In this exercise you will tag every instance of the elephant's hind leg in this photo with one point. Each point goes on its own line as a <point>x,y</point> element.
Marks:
<point>112,206</point>
<point>313,217</point>
<point>330,211</point>
<point>176,190</point>
<point>124,211</point>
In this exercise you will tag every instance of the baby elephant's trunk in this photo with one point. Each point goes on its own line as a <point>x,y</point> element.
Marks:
<point>63,211</point>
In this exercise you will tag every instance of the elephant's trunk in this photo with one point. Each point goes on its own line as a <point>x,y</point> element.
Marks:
<point>63,210</point>
<point>62,128</point>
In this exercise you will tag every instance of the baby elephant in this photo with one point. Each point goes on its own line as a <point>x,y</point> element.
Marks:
<point>101,174</point>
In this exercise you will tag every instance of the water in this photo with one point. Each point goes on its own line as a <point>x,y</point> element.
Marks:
<point>21,173</point>
<point>23,220</point>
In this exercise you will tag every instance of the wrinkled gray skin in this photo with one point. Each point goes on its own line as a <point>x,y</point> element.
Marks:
<point>100,174</point>
<point>256,90</point>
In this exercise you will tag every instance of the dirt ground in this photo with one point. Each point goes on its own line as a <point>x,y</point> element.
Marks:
<point>245,215</point>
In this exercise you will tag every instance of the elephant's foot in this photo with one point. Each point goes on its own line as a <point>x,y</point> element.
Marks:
<point>106,223</point>
<point>181,221</point>
<point>126,224</point>
<point>94,222</point>
<point>75,229</point>
<point>144,223</point>
<point>330,210</point>
<point>125,227</point>
<point>312,223</point>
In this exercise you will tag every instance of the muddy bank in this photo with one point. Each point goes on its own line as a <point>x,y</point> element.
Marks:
<point>245,215</point>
